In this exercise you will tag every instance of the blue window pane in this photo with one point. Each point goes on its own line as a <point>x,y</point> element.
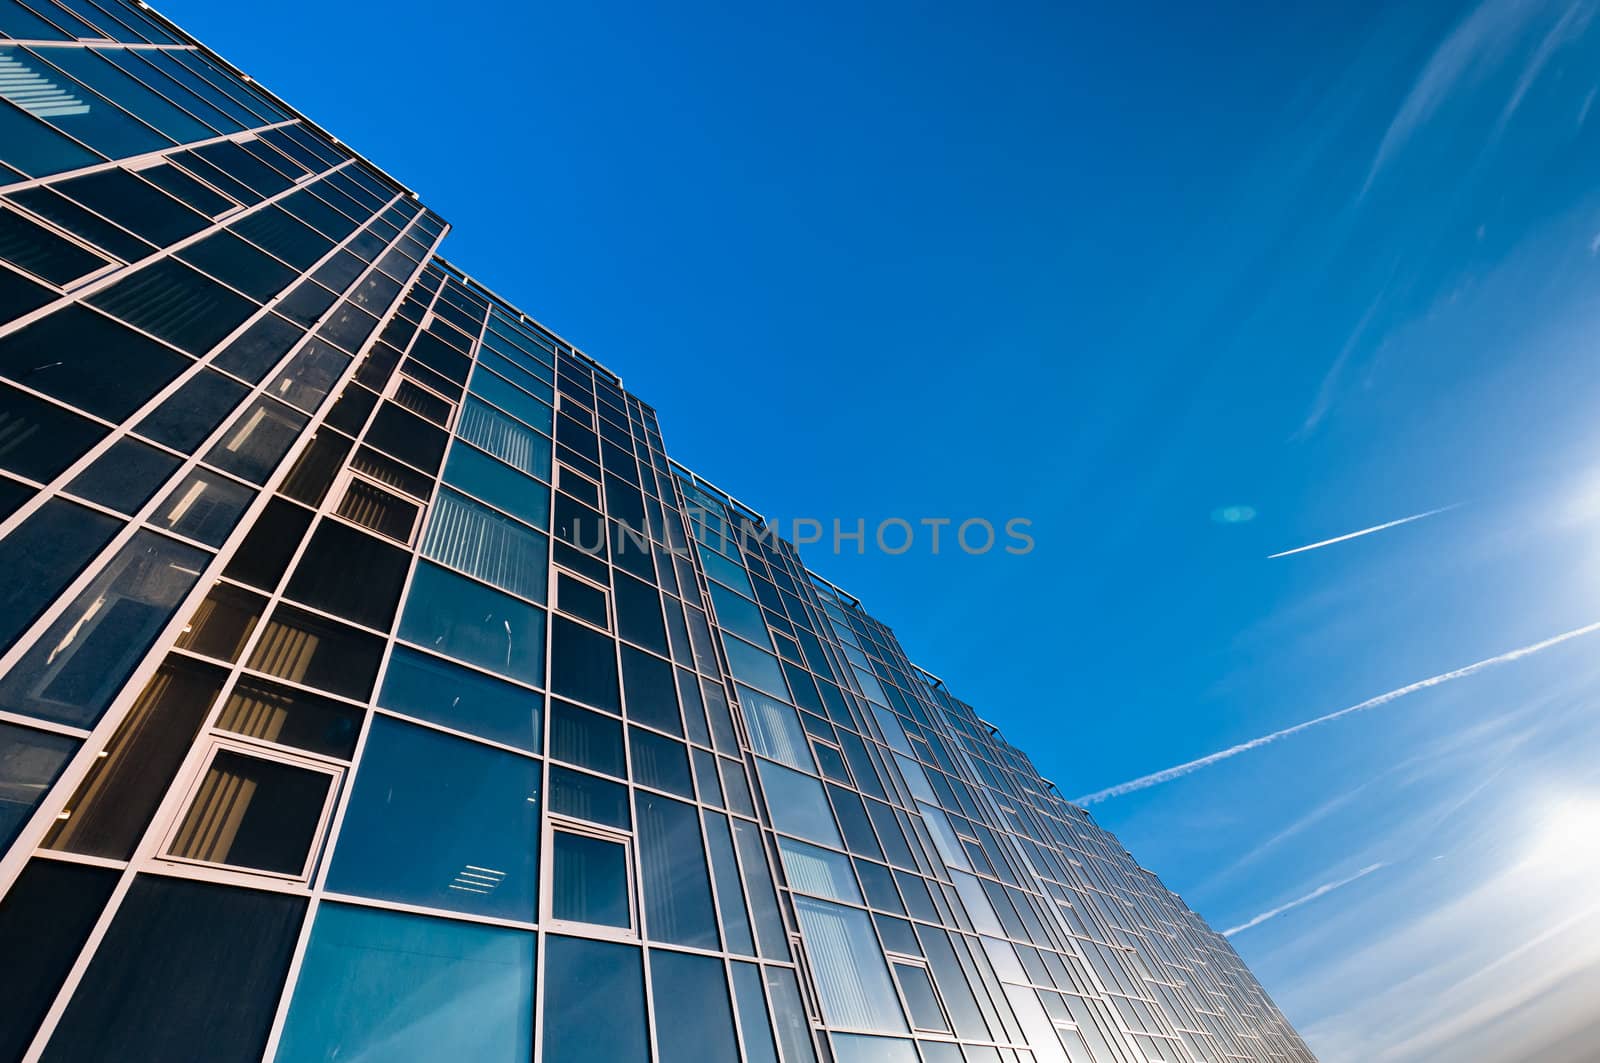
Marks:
<point>35,148</point>
<point>509,440</point>
<point>585,796</point>
<point>861,1048</point>
<point>91,68</point>
<point>593,1002</point>
<point>590,880</point>
<point>812,869</point>
<point>466,620</point>
<point>694,1023</point>
<point>74,109</point>
<point>498,484</point>
<point>797,804</point>
<point>489,545</point>
<point>442,822</point>
<point>398,987</point>
<point>29,762</point>
<point>421,685</point>
<point>756,667</point>
<point>754,1026</point>
<point>660,762</point>
<point>788,1016</point>
<point>730,894</point>
<point>852,979</point>
<point>672,864</point>
<point>518,403</point>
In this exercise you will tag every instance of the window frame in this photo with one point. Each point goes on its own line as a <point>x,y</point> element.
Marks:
<point>557,823</point>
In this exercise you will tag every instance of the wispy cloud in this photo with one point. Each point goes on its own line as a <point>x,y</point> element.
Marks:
<point>1472,51</point>
<point>1321,891</point>
<point>1364,531</point>
<point>1166,775</point>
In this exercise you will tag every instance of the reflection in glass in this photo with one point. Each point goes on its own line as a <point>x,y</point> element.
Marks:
<point>797,803</point>
<point>672,866</point>
<point>29,762</point>
<point>466,620</point>
<point>591,880</point>
<point>593,1002</point>
<point>692,995</point>
<point>430,688</point>
<point>250,812</point>
<point>852,979</point>
<point>410,989</point>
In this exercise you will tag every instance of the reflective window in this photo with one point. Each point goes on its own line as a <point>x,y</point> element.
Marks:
<point>593,1002</point>
<point>851,977</point>
<point>730,893</point>
<point>650,690</point>
<point>39,439</point>
<point>498,484</point>
<point>483,543</point>
<point>590,879</point>
<point>264,555</point>
<point>254,813</point>
<point>755,1028</point>
<point>509,440</point>
<point>304,648</point>
<point>80,663</point>
<point>424,686</point>
<point>113,805</point>
<point>203,506</point>
<point>775,729</point>
<point>584,796</point>
<point>797,804</point>
<point>257,440</point>
<point>441,822</point>
<point>29,763</point>
<point>406,988</point>
<point>585,738</point>
<point>290,717</point>
<point>176,303</point>
<point>453,615</point>
<point>811,869</point>
<point>90,361</point>
<point>921,998</point>
<point>788,1016</point>
<point>44,553</point>
<point>638,608</point>
<point>672,863</point>
<point>583,664</point>
<point>125,476</point>
<point>351,574</point>
<point>863,1048</point>
<point>694,1022</point>
<point>190,414</point>
<point>660,762</point>
<point>187,970</point>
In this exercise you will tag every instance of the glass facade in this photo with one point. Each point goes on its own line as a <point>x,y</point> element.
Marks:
<point>373,685</point>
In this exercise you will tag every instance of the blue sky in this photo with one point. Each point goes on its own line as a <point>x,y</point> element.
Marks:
<point>1115,269</point>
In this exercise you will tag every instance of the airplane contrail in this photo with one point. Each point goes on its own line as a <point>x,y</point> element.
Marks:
<point>1364,531</point>
<point>1144,782</point>
<point>1321,891</point>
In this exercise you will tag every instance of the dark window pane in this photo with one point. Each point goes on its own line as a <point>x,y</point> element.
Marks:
<point>55,207</point>
<point>44,921</point>
<point>921,999</point>
<point>39,439</point>
<point>317,652</point>
<point>660,762</point>
<point>29,763</point>
<point>379,985</point>
<point>442,822</point>
<point>383,511</point>
<point>651,695</point>
<point>466,620</point>
<point>350,413</point>
<point>204,506</point>
<point>259,347</point>
<point>264,556</point>
<point>693,991</point>
<point>583,664</point>
<point>591,880</point>
<point>576,793</point>
<point>638,608</point>
<point>239,264</point>
<point>35,148</point>
<point>19,295</point>
<point>188,970</point>
<point>387,470</point>
<point>730,894</point>
<point>498,484</point>
<point>172,301</point>
<point>350,573</point>
<point>90,361</point>
<point>672,868</point>
<point>175,182</point>
<point>291,717</point>
<point>586,738</point>
<point>113,805</point>
<point>192,413</point>
<point>317,467</point>
<point>406,436</point>
<point>277,231</point>
<point>593,1002</point>
<point>133,204</point>
<point>238,162</point>
<point>255,813</point>
<point>424,686</point>
<point>583,600</point>
<point>257,440</point>
<point>223,622</point>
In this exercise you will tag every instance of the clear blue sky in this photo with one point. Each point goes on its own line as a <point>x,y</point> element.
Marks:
<point>1115,268</point>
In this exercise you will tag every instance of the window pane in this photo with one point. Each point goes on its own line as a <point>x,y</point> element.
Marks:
<point>585,796</point>
<point>114,803</point>
<point>466,620</point>
<point>582,600</point>
<point>499,485</point>
<point>496,549</point>
<point>593,1002</point>
<point>775,729</point>
<point>268,546</point>
<point>797,803</point>
<point>730,894</point>
<point>44,553</point>
<point>29,763</point>
<point>250,812</point>
<point>351,574</point>
<point>410,989</point>
<point>588,739</point>
<point>82,660</point>
<point>821,871</point>
<point>677,890</point>
<point>651,692</point>
<point>125,476</point>
<point>222,623</point>
<point>441,822</point>
<point>754,1025</point>
<point>187,970</point>
<point>424,686</point>
<point>44,921</point>
<point>788,1016</point>
<point>39,439</point>
<point>862,1048</point>
<point>583,664</point>
<point>304,648</point>
<point>257,440</point>
<point>291,717</point>
<point>660,762</point>
<point>190,414</point>
<point>920,998</point>
<point>591,880</point>
<point>694,1023</point>
<point>852,979</point>
<point>175,303</point>
<point>203,506</point>
<point>511,441</point>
